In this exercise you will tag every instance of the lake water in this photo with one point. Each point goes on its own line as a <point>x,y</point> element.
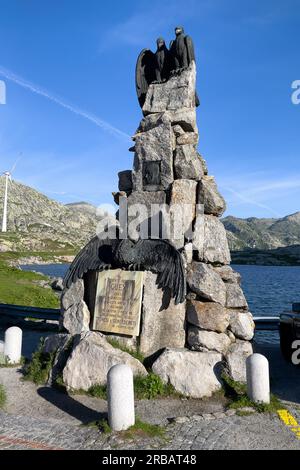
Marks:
<point>268,289</point>
<point>53,270</point>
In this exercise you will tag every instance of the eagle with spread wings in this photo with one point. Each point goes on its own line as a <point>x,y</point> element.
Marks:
<point>158,256</point>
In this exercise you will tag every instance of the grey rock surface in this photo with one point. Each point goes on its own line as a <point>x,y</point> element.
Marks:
<point>228,274</point>
<point>208,315</point>
<point>189,138</point>
<point>76,319</point>
<point>235,297</point>
<point>163,325</point>
<point>182,210</point>
<point>236,360</point>
<point>154,145</point>
<point>194,374</point>
<point>201,340</point>
<point>53,342</point>
<point>206,283</point>
<point>210,240</point>
<point>143,205</point>
<point>187,164</point>
<point>185,118</point>
<point>242,324</point>
<point>177,93</point>
<point>73,295</point>
<point>91,359</point>
<point>209,196</point>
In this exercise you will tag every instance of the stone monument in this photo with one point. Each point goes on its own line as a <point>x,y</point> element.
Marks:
<point>188,341</point>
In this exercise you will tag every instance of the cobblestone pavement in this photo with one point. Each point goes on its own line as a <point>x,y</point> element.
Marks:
<point>41,418</point>
<point>256,431</point>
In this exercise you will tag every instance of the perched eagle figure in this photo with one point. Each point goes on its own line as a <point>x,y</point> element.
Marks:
<point>152,67</point>
<point>158,256</point>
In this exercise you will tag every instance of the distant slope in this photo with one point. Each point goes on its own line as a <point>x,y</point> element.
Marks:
<point>287,256</point>
<point>262,233</point>
<point>38,223</point>
<point>82,207</point>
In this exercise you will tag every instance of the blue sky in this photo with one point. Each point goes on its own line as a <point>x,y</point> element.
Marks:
<point>71,104</point>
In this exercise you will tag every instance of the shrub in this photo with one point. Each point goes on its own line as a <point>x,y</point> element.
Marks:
<point>39,367</point>
<point>2,396</point>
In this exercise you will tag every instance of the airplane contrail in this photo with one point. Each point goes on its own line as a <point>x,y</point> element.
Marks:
<point>74,109</point>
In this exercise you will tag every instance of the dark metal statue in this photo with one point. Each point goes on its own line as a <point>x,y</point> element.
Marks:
<point>182,53</point>
<point>182,49</point>
<point>158,256</point>
<point>152,68</point>
<point>164,61</point>
<point>158,67</point>
<point>145,74</point>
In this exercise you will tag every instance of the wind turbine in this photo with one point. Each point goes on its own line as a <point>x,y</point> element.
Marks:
<point>8,179</point>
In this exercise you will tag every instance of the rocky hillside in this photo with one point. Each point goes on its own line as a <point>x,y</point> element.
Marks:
<point>285,256</point>
<point>263,234</point>
<point>37,223</point>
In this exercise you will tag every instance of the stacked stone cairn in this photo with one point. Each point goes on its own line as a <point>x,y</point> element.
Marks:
<point>188,345</point>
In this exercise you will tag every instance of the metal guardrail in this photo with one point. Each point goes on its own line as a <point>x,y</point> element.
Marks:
<point>21,311</point>
<point>266,323</point>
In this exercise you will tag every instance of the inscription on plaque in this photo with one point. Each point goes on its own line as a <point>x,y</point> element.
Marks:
<point>118,302</point>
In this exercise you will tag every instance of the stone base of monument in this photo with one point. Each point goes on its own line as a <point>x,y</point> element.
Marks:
<point>190,344</point>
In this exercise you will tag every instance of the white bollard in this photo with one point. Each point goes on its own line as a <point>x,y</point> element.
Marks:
<point>258,380</point>
<point>121,414</point>
<point>13,344</point>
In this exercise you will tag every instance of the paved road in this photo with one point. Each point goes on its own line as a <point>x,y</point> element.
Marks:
<point>256,431</point>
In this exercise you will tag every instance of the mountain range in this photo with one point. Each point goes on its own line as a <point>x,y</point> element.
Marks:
<point>263,234</point>
<point>37,223</point>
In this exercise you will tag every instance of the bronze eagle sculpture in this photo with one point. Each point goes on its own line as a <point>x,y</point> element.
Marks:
<point>158,256</point>
<point>159,66</point>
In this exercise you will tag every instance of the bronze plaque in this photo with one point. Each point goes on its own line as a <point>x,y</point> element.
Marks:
<point>118,302</point>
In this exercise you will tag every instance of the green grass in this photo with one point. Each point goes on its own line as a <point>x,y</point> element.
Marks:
<point>51,248</point>
<point>151,387</point>
<point>104,426</point>
<point>4,362</point>
<point>139,429</point>
<point>243,402</point>
<point>147,388</point>
<point>39,367</point>
<point>236,392</point>
<point>243,413</point>
<point>59,383</point>
<point>18,287</point>
<point>2,396</point>
<point>98,391</point>
<point>142,429</point>
<point>136,354</point>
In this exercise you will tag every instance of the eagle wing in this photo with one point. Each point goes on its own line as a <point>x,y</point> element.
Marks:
<point>96,255</point>
<point>161,257</point>
<point>145,73</point>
